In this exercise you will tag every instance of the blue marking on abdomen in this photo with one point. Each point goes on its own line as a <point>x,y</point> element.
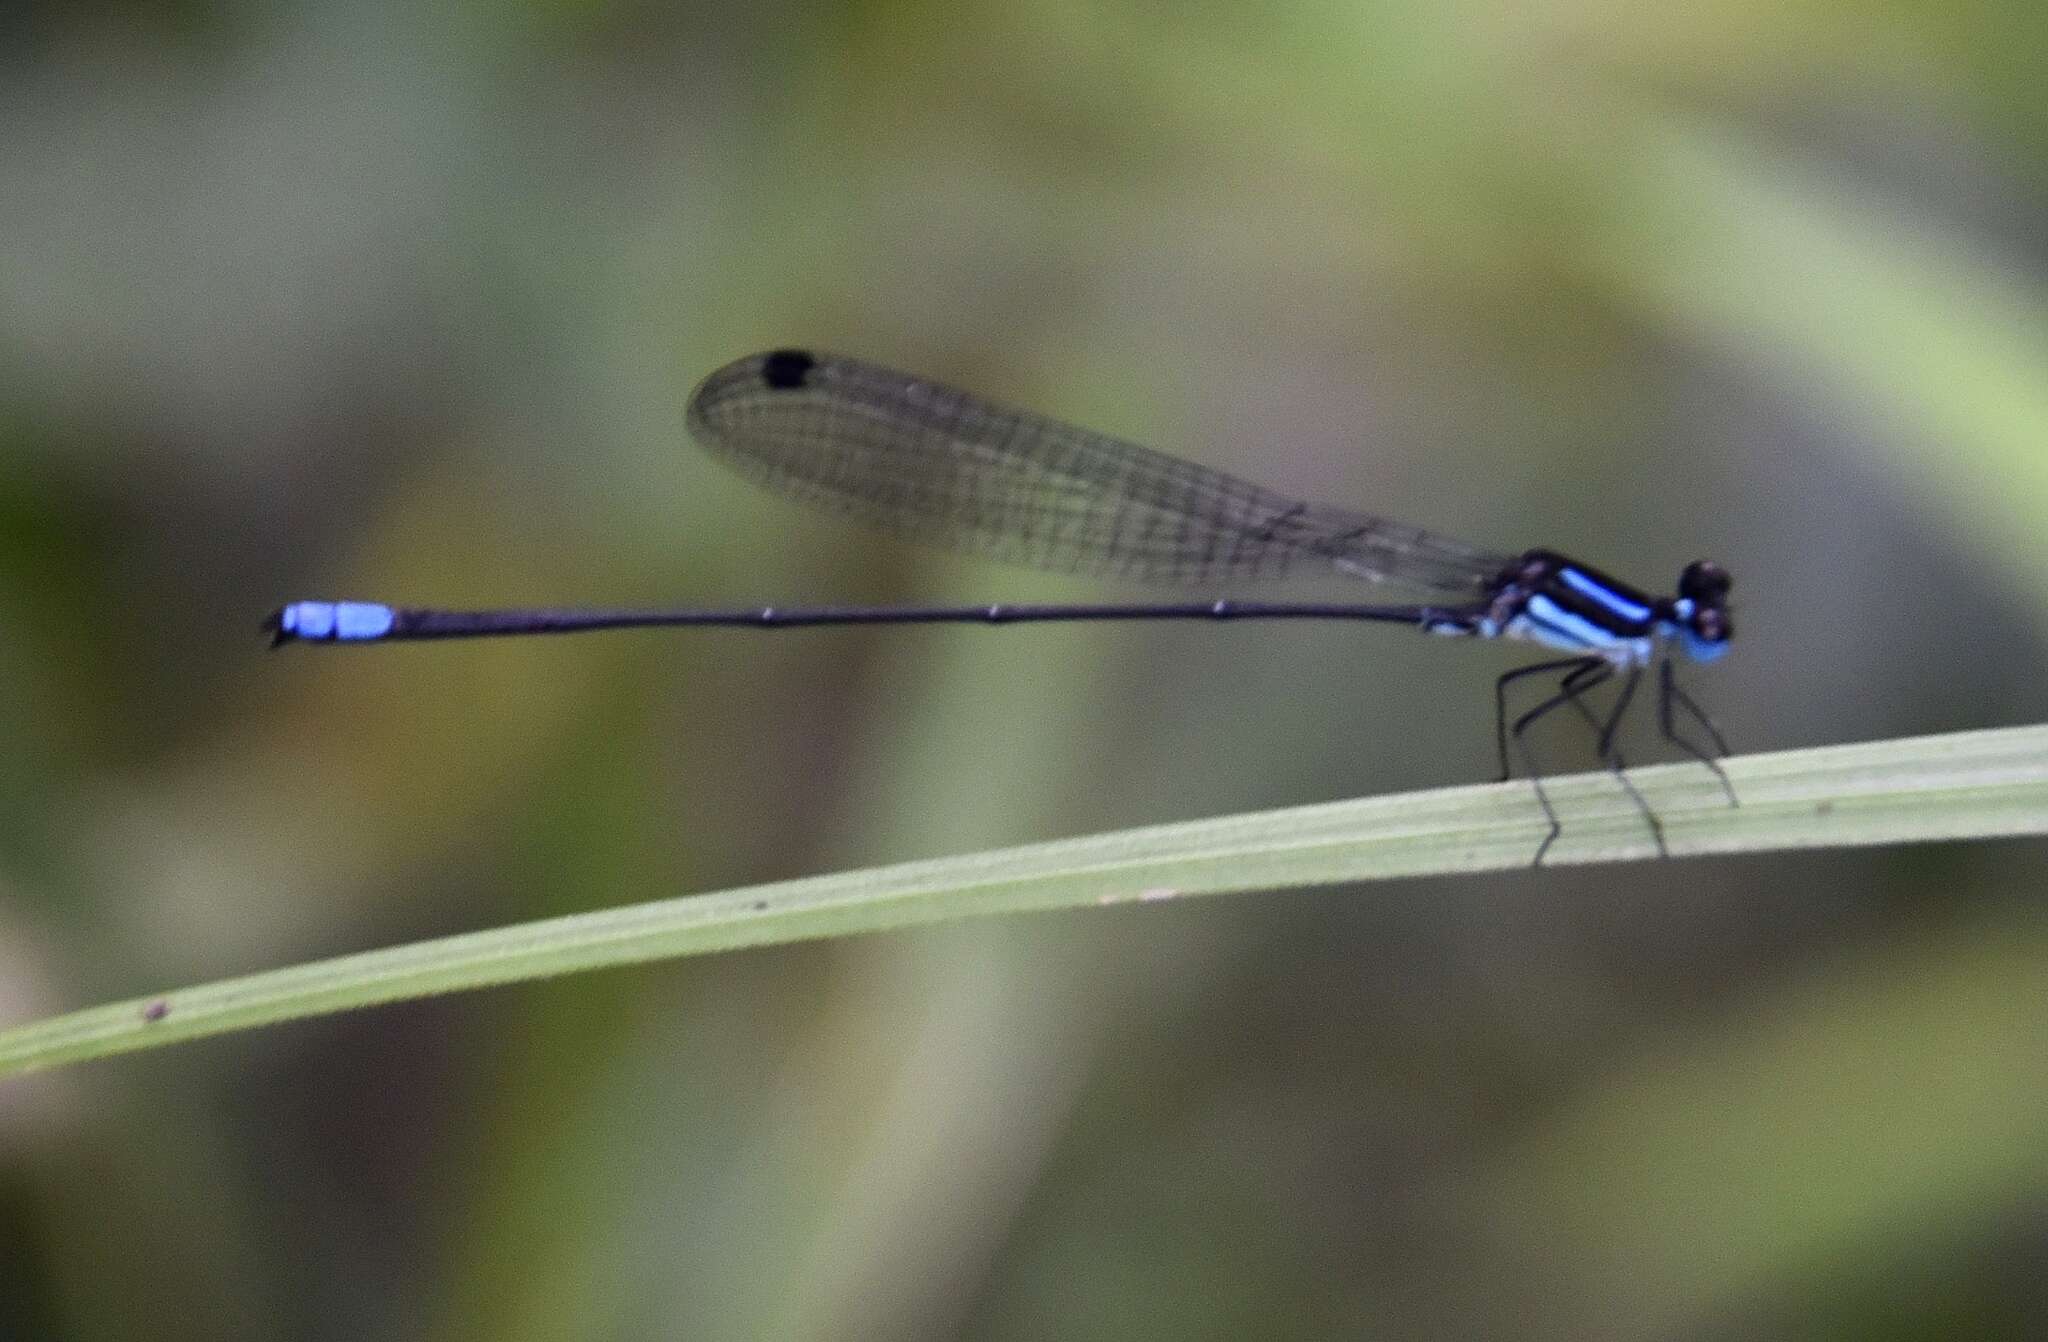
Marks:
<point>342,621</point>
<point>1597,591</point>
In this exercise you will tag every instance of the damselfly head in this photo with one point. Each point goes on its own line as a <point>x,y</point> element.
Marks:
<point>1702,607</point>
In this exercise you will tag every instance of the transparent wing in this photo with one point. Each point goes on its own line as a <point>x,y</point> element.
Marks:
<point>945,467</point>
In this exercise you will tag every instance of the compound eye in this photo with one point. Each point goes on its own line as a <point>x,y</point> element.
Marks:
<point>1704,582</point>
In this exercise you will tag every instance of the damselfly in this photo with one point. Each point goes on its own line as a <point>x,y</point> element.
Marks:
<point>943,466</point>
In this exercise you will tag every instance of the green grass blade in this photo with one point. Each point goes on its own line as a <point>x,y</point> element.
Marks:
<point>1965,785</point>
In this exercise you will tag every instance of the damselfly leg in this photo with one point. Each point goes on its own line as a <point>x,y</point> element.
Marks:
<point>1610,754</point>
<point>1584,674</point>
<point>1668,693</point>
<point>1500,700</point>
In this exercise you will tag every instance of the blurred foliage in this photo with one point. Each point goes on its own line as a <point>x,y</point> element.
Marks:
<point>302,300</point>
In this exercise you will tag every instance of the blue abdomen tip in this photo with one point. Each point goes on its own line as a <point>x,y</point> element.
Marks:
<point>340,621</point>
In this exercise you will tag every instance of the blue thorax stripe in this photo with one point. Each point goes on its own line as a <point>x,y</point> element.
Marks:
<point>1564,628</point>
<point>1602,594</point>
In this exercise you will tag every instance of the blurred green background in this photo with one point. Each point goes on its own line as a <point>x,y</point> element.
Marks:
<point>402,303</point>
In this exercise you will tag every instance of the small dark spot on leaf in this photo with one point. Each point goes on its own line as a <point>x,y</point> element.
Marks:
<point>156,1010</point>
